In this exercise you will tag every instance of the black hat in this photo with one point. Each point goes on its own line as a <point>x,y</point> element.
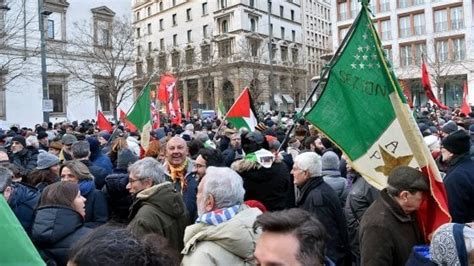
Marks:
<point>407,178</point>
<point>20,139</point>
<point>457,142</point>
<point>449,127</point>
<point>42,135</point>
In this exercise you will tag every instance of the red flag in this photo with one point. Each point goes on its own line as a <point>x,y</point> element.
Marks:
<point>128,124</point>
<point>425,81</point>
<point>168,93</point>
<point>407,92</point>
<point>175,108</point>
<point>155,115</point>
<point>166,83</point>
<point>103,123</point>
<point>465,108</point>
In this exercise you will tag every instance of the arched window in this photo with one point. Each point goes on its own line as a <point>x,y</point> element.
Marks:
<point>225,26</point>
<point>253,25</point>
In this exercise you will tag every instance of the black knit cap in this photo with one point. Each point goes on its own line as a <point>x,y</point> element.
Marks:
<point>407,178</point>
<point>20,139</point>
<point>457,142</point>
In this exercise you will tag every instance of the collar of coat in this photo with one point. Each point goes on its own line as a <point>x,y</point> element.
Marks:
<point>147,192</point>
<point>395,208</point>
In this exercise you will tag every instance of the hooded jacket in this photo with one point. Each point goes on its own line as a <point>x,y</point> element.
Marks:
<point>23,203</point>
<point>335,180</point>
<point>55,230</point>
<point>160,210</point>
<point>271,186</point>
<point>229,243</point>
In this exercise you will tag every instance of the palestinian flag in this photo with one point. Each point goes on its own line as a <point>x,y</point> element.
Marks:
<point>16,247</point>
<point>140,116</point>
<point>242,113</point>
<point>362,109</point>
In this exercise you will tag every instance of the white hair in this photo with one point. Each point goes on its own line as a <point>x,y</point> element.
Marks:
<point>148,168</point>
<point>309,161</point>
<point>225,185</point>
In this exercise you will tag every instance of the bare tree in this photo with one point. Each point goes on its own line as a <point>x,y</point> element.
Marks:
<point>101,60</point>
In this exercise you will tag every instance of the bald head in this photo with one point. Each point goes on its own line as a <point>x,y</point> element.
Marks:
<point>176,151</point>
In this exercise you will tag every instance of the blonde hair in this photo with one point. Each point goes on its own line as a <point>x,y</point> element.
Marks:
<point>78,169</point>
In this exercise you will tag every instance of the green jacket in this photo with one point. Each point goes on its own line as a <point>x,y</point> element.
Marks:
<point>160,210</point>
<point>229,243</point>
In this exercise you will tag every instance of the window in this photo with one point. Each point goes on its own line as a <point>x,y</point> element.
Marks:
<point>173,2</point>
<point>50,29</point>
<point>188,14</point>
<point>442,50</point>
<point>138,33</point>
<point>175,39</point>
<point>385,31</point>
<point>189,57</point>
<point>384,5</point>
<point>148,11</point>
<point>55,30</point>
<point>204,31</point>
<point>253,25</point>
<point>404,26</point>
<point>342,11</point>
<point>419,24</point>
<point>343,33</point>
<point>104,99</point>
<point>173,18</point>
<point>161,24</point>
<point>204,8</point>
<point>403,3</point>
<point>420,50</point>
<point>150,47</point>
<point>282,31</point>
<point>224,26</point>
<point>205,53</point>
<point>254,47</point>
<point>150,65</point>
<point>189,36</point>
<point>441,20</point>
<point>137,15</point>
<point>457,18</point>
<point>162,61</point>
<point>293,36</point>
<point>139,50</point>
<point>292,12</point>
<point>162,44</point>
<point>284,53</point>
<point>281,11</point>
<point>223,3</point>
<point>410,54</point>
<point>160,6</point>
<point>273,51</point>
<point>355,7</point>
<point>252,3</point>
<point>271,28</point>
<point>294,55</point>
<point>405,55</point>
<point>105,37</point>
<point>225,48</point>
<point>175,59</point>
<point>148,28</point>
<point>56,93</point>
<point>388,53</point>
<point>459,50</point>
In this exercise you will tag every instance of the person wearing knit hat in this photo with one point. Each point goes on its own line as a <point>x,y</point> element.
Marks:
<point>43,140</point>
<point>459,180</point>
<point>448,128</point>
<point>24,158</point>
<point>453,244</point>
<point>47,160</point>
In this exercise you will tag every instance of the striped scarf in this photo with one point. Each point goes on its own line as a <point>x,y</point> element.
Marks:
<point>218,216</point>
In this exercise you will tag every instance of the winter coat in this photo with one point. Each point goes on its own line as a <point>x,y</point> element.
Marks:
<point>104,162</point>
<point>229,243</point>
<point>118,196</point>
<point>189,194</point>
<point>459,184</point>
<point>231,154</point>
<point>26,160</point>
<point>320,199</point>
<point>387,234</point>
<point>160,210</point>
<point>334,179</point>
<point>55,230</point>
<point>360,197</point>
<point>23,202</point>
<point>96,209</point>
<point>99,173</point>
<point>271,186</point>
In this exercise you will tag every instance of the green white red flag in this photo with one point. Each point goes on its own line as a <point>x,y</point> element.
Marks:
<point>242,113</point>
<point>362,109</point>
<point>140,116</point>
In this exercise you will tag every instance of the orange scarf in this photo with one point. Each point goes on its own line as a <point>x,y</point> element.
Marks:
<point>178,174</point>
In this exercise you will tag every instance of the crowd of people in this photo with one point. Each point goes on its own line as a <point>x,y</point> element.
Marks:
<point>205,193</point>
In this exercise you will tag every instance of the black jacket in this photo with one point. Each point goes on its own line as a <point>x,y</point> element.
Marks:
<point>459,184</point>
<point>26,160</point>
<point>320,199</point>
<point>118,197</point>
<point>98,172</point>
<point>23,202</point>
<point>55,230</point>
<point>96,209</point>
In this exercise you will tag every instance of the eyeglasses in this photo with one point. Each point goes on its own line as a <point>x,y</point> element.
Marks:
<point>131,181</point>
<point>199,165</point>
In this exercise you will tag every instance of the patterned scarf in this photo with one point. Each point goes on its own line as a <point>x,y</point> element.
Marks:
<point>178,174</point>
<point>218,216</point>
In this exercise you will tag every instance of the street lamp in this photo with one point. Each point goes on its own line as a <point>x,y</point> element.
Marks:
<point>44,74</point>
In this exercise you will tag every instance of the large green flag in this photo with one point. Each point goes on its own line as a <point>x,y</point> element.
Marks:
<point>140,116</point>
<point>363,111</point>
<point>15,245</point>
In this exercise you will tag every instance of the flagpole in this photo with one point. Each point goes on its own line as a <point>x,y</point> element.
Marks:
<point>143,89</point>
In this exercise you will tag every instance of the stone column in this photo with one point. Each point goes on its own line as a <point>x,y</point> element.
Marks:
<point>185,97</point>
<point>200,91</point>
<point>217,90</point>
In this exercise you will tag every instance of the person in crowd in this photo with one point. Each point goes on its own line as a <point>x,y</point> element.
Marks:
<point>96,204</point>
<point>154,148</point>
<point>389,228</point>
<point>459,179</point>
<point>59,222</point>
<point>222,235</point>
<point>179,170</point>
<point>194,146</point>
<point>47,171</point>
<point>317,197</point>
<point>43,140</point>
<point>453,244</point>
<point>24,158</point>
<point>81,152</point>
<point>118,144</point>
<point>67,141</point>
<point>269,185</point>
<point>332,175</point>
<point>361,195</point>
<point>109,245</point>
<point>293,147</point>
<point>97,158</point>
<point>55,147</point>
<point>448,128</point>
<point>118,197</point>
<point>104,140</point>
<point>290,237</point>
<point>157,206</point>
<point>207,157</point>
<point>234,151</point>
<point>21,198</point>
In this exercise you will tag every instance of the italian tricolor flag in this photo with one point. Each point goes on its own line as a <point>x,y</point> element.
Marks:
<point>140,116</point>
<point>362,109</point>
<point>242,112</point>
